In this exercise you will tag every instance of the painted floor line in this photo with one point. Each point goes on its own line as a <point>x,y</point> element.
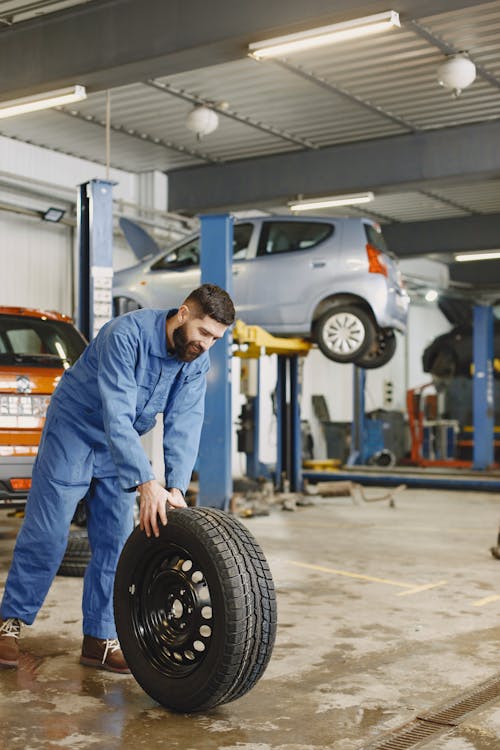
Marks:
<point>486,600</point>
<point>424,587</point>
<point>411,586</point>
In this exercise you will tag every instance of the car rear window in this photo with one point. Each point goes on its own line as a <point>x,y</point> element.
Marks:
<point>375,237</point>
<point>287,236</point>
<point>38,342</point>
<point>189,254</point>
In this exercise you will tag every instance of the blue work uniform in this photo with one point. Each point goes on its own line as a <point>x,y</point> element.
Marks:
<point>91,447</point>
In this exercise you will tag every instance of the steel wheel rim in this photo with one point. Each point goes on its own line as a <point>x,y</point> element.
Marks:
<point>171,611</point>
<point>344,333</point>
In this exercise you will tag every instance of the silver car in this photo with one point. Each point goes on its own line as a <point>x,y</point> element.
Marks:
<point>328,280</point>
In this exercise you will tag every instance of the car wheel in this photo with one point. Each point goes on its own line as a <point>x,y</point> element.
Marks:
<point>381,351</point>
<point>195,609</point>
<point>345,333</point>
<point>77,555</point>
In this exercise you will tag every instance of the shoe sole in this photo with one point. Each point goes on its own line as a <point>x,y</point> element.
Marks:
<point>87,662</point>
<point>8,664</point>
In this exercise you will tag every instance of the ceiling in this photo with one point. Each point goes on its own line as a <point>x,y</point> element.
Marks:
<point>361,115</point>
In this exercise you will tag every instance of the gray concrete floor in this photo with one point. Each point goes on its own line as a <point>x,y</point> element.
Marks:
<point>383,613</point>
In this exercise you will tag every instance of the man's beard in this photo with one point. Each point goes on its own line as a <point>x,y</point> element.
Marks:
<point>185,350</point>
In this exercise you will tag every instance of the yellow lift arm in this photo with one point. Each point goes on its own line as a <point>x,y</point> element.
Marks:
<point>255,342</point>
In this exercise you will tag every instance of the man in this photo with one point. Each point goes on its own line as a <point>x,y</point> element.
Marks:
<point>139,365</point>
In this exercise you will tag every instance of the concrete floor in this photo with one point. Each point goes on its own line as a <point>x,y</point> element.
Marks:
<point>383,613</point>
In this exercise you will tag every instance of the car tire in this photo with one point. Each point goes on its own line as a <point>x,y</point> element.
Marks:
<point>345,333</point>
<point>77,555</point>
<point>381,351</point>
<point>195,610</point>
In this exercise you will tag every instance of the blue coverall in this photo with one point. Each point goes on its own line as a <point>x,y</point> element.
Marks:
<point>90,447</point>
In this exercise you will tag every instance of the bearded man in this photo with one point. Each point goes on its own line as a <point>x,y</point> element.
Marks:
<point>141,364</point>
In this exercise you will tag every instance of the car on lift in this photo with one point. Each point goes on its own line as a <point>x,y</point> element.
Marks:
<point>36,346</point>
<point>329,280</point>
<point>452,354</point>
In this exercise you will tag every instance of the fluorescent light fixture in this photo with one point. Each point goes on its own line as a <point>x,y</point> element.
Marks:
<point>53,214</point>
<point>487,255</point>
<point>331,202</point>
<point>336,32</point>
<point>42,101</point>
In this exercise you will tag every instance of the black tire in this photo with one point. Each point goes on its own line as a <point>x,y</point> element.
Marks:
<point>344,333</point>
<point>195,610</point>
<point>381,351</point>
<point>77,555</point>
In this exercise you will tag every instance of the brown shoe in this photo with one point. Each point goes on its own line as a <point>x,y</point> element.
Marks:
<point>10,630</point>
<point>103,653</point>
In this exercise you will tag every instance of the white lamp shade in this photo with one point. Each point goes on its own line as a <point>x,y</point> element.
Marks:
<point>456,73</point>
<point>202,121</point>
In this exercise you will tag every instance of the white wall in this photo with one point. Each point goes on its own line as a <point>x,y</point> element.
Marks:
<point>37,256</point>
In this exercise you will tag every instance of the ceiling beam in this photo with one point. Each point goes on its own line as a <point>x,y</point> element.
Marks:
<point>110,43</point>
<point>445,236</point>
<point>386,164</point>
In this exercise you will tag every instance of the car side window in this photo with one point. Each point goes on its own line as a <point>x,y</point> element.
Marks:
<point>287,236</point>
<point>180,257</point>
<point>188,255</point>
<point>241,239</point>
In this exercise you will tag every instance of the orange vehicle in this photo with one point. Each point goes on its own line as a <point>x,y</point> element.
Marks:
<point>36,346</point>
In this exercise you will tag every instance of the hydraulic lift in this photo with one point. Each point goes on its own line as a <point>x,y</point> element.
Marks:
<point>438,473</point>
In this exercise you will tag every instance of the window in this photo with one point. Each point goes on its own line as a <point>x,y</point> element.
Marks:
<point>286,236</point>
<point>182,257</point>
<point>189,254</point>
<point>36,341</point>
<point>375,237</point>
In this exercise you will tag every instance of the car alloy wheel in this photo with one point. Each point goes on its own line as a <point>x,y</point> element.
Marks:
<point>345,333</point>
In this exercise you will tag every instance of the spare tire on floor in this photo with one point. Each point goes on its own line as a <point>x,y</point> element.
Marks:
<point>77,555</point>
<point>195,609</point>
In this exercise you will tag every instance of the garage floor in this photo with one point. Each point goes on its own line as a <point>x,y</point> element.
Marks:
<point>385,613</point>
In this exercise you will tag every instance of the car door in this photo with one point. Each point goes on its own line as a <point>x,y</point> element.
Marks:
<point>171,277</point>
<point>293,259</point>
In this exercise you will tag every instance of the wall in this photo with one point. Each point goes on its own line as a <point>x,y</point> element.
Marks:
<point>37,256</point>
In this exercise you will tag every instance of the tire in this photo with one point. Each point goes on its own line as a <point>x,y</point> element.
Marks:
<point>344,333</point>
<point>381,351</point>
<point>195,610</point>
<point>77,555</point>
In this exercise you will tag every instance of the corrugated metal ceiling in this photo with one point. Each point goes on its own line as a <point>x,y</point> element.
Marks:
<point>349,92</point>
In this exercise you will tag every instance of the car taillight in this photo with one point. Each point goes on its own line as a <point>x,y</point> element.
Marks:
<point>21,483</point>
<point>375,262</point>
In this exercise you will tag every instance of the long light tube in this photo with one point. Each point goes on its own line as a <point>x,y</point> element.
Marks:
<point>336,32</point>
<point>42,101</point>
<point>331,202</point>
<point>488,255</point>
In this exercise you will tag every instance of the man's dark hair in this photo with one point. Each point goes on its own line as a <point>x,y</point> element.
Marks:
<point>213,301</point>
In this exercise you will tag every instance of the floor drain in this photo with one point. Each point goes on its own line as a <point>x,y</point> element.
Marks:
<point>442,719</point>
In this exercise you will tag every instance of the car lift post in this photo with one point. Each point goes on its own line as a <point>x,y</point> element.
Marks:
<point>95,256</point>
<point>289,449</point>
<point>358,427</point>
<point>214,458</point>
<point>483,388</point>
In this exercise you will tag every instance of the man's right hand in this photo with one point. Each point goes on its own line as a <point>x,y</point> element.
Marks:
<point>153,503</point>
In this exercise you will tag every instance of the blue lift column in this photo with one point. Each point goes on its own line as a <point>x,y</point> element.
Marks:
<point>214,458</point>
<point>483,395</point>
<point>289,450</point>
<point>95,251</point>
<point>358,426</point>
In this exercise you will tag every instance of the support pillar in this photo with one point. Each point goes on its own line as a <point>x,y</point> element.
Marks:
<point>356,455</point>
<point>483,395</point>
<point>214,459</point>
<point>95,256</point>
<point>289,448</point>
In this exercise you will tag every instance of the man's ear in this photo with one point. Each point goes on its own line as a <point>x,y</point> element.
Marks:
<point>183,313</point>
